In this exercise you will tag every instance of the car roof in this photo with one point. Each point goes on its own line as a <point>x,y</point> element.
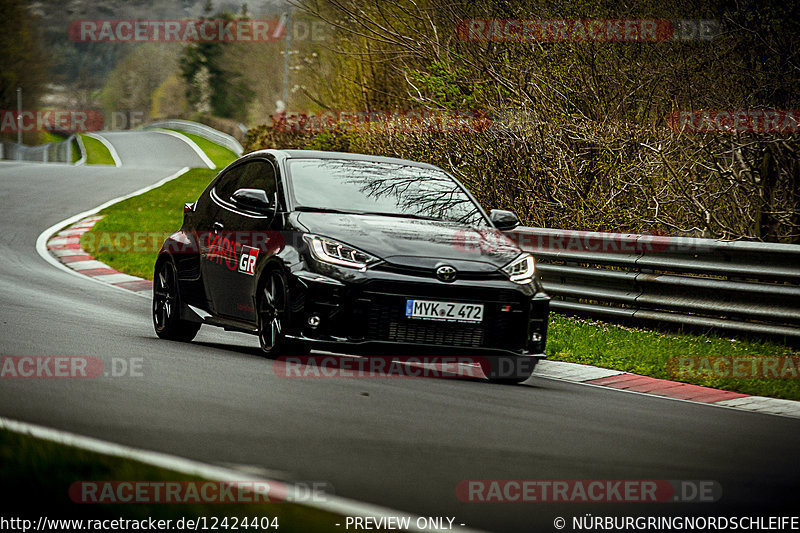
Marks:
<point>320,154</point>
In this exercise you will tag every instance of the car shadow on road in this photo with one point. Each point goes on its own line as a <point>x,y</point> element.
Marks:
<point>329,365</point>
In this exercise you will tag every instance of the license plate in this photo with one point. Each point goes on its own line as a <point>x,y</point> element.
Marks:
<point>446,311</point>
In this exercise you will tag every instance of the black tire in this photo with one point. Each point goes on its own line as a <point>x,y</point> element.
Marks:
<point>508,369</point>
<point>166,306</point>
<point>273,310</point>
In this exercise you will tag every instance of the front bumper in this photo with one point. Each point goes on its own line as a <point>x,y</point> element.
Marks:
<point>370,312</point>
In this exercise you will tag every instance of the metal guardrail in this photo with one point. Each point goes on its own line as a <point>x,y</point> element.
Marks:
<point>55,152</point>
<point>750,287</point>
<point>206,132</point>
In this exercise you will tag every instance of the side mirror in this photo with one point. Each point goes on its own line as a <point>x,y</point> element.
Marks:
<point>503,220</point>
<point>255,200</point>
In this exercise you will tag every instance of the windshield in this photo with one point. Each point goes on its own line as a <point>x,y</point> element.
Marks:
<point>369,187</point>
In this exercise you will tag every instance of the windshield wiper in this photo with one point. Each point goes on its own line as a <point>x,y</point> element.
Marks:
<point>310,209</point>
<point>401,215</point>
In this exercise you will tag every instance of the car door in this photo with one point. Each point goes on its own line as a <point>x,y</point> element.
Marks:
<point>239,240</point>
<point>214,240</point>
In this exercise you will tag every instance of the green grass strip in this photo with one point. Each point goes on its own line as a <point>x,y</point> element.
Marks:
<point>50,137</point>
<point>656,354</point>
<point>96,152</point>
<point>132,232</point>
<point>41,473</point>
<point>218,155</point>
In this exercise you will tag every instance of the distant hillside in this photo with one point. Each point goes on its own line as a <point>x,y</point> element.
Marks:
<point>88,64</point>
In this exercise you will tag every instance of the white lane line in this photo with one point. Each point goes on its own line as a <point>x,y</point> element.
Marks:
<point>116,278</point>
<point>41,241</point>
<point>762,404</point>
<point>87,265</point>
<point>331,503</point>
<point>64,240</point>
<point>82,148</point>
<point>67,252</point>
<point>572,371</point>
<point>111,149</point>
<point>72,232</point>
<point>193,145</point>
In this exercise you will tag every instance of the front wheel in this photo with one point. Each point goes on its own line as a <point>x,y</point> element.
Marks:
<point>166,306</point>
<point>273,309</point>
<point>508,369</point>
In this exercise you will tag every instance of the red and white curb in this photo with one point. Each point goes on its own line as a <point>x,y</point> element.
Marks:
<point>66,247</point>
<point>664,388</point>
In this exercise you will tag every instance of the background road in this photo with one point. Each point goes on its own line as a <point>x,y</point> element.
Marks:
<point>151,148</point>
<point>401,443</point>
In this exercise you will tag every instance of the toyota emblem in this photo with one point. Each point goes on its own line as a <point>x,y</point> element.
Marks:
<point>446,273</point>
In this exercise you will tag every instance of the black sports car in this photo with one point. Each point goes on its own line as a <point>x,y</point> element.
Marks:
<point>355,252</point>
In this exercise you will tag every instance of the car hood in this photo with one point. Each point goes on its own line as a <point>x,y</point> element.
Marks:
<point>416,243</point>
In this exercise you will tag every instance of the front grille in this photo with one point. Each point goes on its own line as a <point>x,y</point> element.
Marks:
<point>430,273</point>
<point>435,334</point>
<point>443,291</point>
<point>386,321</point>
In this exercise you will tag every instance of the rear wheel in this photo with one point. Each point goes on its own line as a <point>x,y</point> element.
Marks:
<point>508,369</point>
<point>272,306</point>
<point>166,306</point>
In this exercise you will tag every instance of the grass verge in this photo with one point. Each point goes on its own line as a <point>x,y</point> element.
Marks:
<point>657,354</point>
<point>153,216</point>
<point>50,137</point>
<point>41,473</point>
<point>219,155</point>
<point>96,152</point>
<point>132,232</point>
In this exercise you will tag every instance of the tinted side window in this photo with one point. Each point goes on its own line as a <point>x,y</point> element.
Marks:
<point>258,175</point>
<point>229,183</point>
<point>253,175</point>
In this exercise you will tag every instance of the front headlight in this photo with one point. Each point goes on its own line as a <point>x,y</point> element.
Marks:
<point>337,253</point>
<point>521,269</point>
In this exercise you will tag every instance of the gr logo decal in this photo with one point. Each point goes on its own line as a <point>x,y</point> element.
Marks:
<point>247,261</point>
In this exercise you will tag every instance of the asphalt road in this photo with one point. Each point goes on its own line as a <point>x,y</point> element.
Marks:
<point>152,148</point>
<point>401,443</point>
